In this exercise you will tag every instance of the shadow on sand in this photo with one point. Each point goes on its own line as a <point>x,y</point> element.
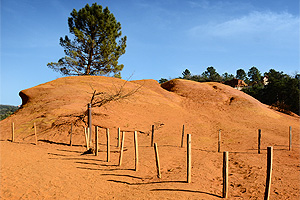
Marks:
<point>98,169</point>
<point>146,183</point>
<point>181,190</point>
<point>60,143</point>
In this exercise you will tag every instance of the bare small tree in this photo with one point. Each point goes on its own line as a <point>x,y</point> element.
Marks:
<point>99,99</point>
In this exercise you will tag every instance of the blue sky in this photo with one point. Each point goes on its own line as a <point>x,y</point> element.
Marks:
<point>164,37</point>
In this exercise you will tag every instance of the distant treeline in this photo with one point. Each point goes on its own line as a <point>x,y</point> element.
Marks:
<point>280,90</point>
<point>6,110</point>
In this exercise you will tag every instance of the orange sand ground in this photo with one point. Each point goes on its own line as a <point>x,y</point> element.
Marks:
<point>54,170</point>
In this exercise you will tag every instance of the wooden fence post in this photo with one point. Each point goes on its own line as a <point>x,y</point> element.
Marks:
<point>290,139</point>
<point>219,141</point>
<point>189,158</point>
<point>108,145</point>
<point>36,140</point>
<point>136,152</point>
<point>225,174</point>
<point>12,132</point>
<point>90,123</point>
<point>96,141</point>
<point>71,133</point>
<point>182,137</point>
<point>259,140</point>
<point>121,149</point>
<point>86,133</point>
<point>269,172</point>
<point>152,136</point>
<point>157,161</point>
<point>119,137</point>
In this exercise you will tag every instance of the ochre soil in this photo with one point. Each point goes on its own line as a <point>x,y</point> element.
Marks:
<point>54,170</point>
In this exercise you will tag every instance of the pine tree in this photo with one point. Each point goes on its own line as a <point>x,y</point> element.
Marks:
<point>186,74</point>
<point>254,75</point>
<point>241,74</point>
<point>211,74</point>
<point>94,49</point>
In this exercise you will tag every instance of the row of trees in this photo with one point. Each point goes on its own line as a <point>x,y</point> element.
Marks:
<point>211,74</point>
<point>281,90</point>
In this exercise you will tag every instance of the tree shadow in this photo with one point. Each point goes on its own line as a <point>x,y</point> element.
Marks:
<point>76,159</point>
<point>181,190</point>
<point>60,143</point>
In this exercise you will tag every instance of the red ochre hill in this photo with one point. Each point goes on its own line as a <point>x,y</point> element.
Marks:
<point>54,169</point>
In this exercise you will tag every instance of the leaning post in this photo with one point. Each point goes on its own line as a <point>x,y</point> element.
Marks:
<point>121,148</point>
<point>90,123</point>
<point>157,160</point>
<point>182,136</point>
<point>152,136</point>
<point>86,133</point>
<point>269,172</point>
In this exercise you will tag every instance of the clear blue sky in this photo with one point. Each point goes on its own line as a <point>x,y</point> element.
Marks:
<point>164,38</point>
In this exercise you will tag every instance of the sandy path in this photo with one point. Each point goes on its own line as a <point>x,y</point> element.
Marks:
<point>50,171</point>
<point>61,172</point>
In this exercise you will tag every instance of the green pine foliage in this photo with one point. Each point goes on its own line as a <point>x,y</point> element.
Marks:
<point>281,92</point>
<point>227,77</point>
<point>97,44</point>
<point>6,110</point>
<point>162,80</point>
<point>241,74</point>
<point>207,76</point>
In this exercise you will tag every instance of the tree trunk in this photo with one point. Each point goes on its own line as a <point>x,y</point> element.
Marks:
<point>88,67</point>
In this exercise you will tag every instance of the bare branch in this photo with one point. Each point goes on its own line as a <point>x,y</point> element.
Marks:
<point>99,99</point>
